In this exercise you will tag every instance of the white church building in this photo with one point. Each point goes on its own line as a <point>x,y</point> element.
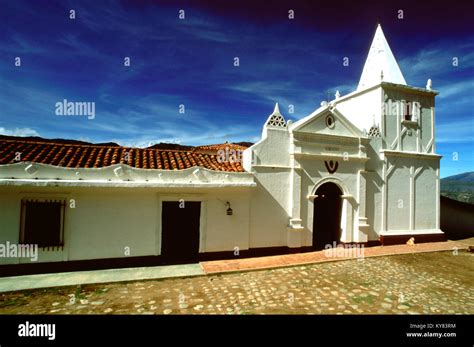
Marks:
<point>360,169</point>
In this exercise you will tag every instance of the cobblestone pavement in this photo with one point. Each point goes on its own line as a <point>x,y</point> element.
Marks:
<point>429,283</point>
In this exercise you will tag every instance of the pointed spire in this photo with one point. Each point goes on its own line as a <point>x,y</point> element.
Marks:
<point>337,95</point>
<point>380,59</point>
<point>277,109</point>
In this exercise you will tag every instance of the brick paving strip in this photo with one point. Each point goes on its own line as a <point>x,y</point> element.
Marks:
<point>15,283</point>
<point>247,264</point>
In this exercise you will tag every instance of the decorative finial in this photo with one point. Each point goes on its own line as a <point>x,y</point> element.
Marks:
<point>338,95</point>
<point>276,119</point>
<point>429,84</point>
<point>277,109</point>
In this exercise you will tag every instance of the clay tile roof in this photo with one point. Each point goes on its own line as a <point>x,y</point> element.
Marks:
<point>220,146</point>
<point>74,154</point>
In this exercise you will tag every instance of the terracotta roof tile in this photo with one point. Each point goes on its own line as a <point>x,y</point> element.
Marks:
<point>74,155</point>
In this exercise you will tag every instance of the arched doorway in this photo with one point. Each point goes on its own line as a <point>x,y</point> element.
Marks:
<point>327,215</point>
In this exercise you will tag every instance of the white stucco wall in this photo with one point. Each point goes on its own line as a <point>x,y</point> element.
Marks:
<point>269,208</point>
<point>426,196</point>
<point>222,232</point>
<point>271,150</point>
<point>412,194</point>
<point>9,222</point>
<point>103,224</point>
<point>398,198</point>
<point>362,109</point>
<point>105,221</point>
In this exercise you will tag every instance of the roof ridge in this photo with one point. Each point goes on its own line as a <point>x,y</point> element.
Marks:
<point>94,145</point>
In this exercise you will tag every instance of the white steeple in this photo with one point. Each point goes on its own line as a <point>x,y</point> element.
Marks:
<point>380,62</point>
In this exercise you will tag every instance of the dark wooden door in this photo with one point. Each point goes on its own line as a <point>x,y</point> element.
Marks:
<point>180,231</point>
<point>327,216</point>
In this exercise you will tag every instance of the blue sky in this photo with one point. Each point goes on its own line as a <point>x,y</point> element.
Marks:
<point>191,62</point>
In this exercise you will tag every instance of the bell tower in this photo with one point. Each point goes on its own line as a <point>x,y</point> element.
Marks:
<point>385,106</point>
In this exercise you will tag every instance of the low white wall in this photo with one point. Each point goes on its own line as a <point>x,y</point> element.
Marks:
<point>412,195</point>
<point>10,208</point>
<point>102,225</point>
<point>269,208</point>
<point>107,220</point>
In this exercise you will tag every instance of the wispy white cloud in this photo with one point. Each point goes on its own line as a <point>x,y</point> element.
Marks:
<point>76,46</point>
<point>285,92</point>
<point>437,60</point>
<point>215,36</point>
<point>18,132</point>
<point>109,16</point>
<point>458,89</point>
<point>21,101</point>
<point>456,132</point>
<point>190,136</point>
<point>303,100</point>
<point>19,44</point>
<point>206,30</point>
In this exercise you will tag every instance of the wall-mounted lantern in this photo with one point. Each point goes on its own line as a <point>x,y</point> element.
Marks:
<point>229,211</point>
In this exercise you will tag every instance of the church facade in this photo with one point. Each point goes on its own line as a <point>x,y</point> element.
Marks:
<point>363,165</point>
<point>360,169</point>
